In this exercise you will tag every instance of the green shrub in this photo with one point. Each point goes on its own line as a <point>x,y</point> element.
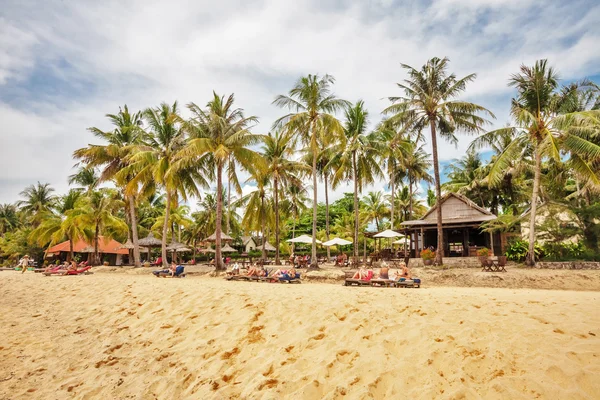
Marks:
<point>517,251</point>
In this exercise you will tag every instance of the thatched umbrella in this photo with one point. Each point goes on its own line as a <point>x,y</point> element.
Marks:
<point>150,241</point>
<point>228,249</point>
<point>213,237</point>
<point>269,247</point>
<point>175,246</point>
<point>128,245</point>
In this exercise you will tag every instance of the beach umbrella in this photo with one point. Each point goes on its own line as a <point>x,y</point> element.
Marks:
<point>269,247</point>
<point>213,237</point>
<point>401,240</point>
<point>303,239</point>
<point>337,241</point>
<point>175,246</point>
<point>208,250</point>
<point>228,249</point>
<point>388,233</point>
<point>150,241</point>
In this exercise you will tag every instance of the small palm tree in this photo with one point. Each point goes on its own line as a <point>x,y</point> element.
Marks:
<point>86,177</point>
<point>374,208</point>
<point>430,101</point>
<point>258,208</point>
<point>313,107</point>
<point>417,165</point>
<point>39,199</point>
<point>543,129</point>
<point>9,219</point>
<point>220,134</point>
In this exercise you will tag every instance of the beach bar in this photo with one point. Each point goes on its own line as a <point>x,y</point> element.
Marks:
<point>461,222</point>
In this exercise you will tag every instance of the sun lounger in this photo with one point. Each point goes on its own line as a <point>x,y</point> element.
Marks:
<point>360,282</point>
<point>288,279</point>
<point>415,282</point>
<point>382,282</point>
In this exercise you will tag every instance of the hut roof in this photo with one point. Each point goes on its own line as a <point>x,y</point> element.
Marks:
<point>105,245</point>
<point>128,245</point>
<point>150,241</point>
<point>176,246</point>
<point>228,249</point>
<point>246,239</point>
<point>269,247</point>
<point>456,209</point>
<point>213,237</point>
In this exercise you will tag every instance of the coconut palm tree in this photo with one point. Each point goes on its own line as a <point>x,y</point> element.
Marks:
<point>417,164</point>
<point>220,134</point>
<point>294,203</point>
<point>9,220</point>
<point>155,162</point>
<point>112,158</point>
<point>38,199</point>
<point>312,108</point>
<point>430,101</point>
<point>56,226</point>
<point>374,208</point>
<point>277,149</point>
<point>97,212</point>
<point>542,129</point>
<point>358,156</point>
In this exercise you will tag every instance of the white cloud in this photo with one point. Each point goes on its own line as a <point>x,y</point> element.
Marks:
<point>143,52</point>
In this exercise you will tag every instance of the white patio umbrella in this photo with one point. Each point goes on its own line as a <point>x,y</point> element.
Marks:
<point>303,239</point>
<point>401,240</point>
<point>388,233</point>
<point>336,241</point>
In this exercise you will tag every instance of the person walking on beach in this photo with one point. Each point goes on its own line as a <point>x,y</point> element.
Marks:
<point>24,263</point>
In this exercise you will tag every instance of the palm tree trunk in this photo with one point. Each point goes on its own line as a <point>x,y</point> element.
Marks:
<point>530,260</point>
<point>354,168</point>
<point>228,199</point>
<point>134,233</point>
<point>165,231</point>
<point>262,227</point>
<point>327,215</point>
<point>410,198</point>
<point>392,184</point>
<point>71,252</point>
<point>276,190</point>
<point>438,196</point>
<point>313,261</point>
<point>219,219</point>
<point>96,238</point>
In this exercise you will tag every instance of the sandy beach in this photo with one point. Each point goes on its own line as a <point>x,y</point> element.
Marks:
<point>119,336</point>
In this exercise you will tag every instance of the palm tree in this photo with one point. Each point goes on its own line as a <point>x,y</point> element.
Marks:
<point>417,166</point>
<point>429,101</point>
<point>258,207</point>
<point>156,162</point>
<point>357,158</point>
<point>393,155</point>
<point>86,177</point>
<point>294,203</point>
<point>112,158</point>
<point>374,208</point>
<point>542,128</point>
<point>9,219</point>
<point>98,213</point>
<point>312,105</point>
<point>220,134</point>
<point>277,149</point>
<point>55,227</point>
<point>38,199</point>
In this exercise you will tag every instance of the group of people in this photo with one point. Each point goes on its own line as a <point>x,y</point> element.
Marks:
<point>67,267</point>
<point>260,271</point>
<point>384,273</point>
<point>299,261</point>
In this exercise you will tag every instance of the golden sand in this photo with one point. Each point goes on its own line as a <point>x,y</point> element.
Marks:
<point>121,336</point>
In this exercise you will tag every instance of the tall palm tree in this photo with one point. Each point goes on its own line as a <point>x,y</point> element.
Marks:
<point>312,105</point>
<point>112,158</point>
<point>38,199</point>
<point>294,203</point>
<point>393,155</point>
<point>156,162</point>
<point>219,134</point>
<point>9,220</point>
<point>277,149</point>
<point>429,100</point>
<point>258,208</point>
<point>543,128</point>
<point>358,157</point>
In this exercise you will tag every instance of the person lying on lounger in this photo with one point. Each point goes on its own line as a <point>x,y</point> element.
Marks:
<point>281,272</point>
<point>256,271</point>
<point>360,274</point>
<point>235,269</point>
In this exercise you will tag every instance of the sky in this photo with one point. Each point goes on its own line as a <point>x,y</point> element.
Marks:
<point>65,64</point>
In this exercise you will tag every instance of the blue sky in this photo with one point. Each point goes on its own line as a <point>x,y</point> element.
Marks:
<point>64,64</point>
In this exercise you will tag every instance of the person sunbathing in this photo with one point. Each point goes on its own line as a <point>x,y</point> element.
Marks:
<point>256,271</point>
<point>360,274</point>
<point>404,272</point>
<point>172,269</point>
<point>280,273</point>
<point>235,269</point>
<point>384,272</point>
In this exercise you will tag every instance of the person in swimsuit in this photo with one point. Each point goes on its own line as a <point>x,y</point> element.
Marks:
<point>360,274</point>
<point>404,272</point>
<point>384,272</point>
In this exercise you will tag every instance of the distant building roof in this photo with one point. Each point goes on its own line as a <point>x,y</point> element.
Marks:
<point>106,246</point>
<point>456,209</point>
<point>246,239</point>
